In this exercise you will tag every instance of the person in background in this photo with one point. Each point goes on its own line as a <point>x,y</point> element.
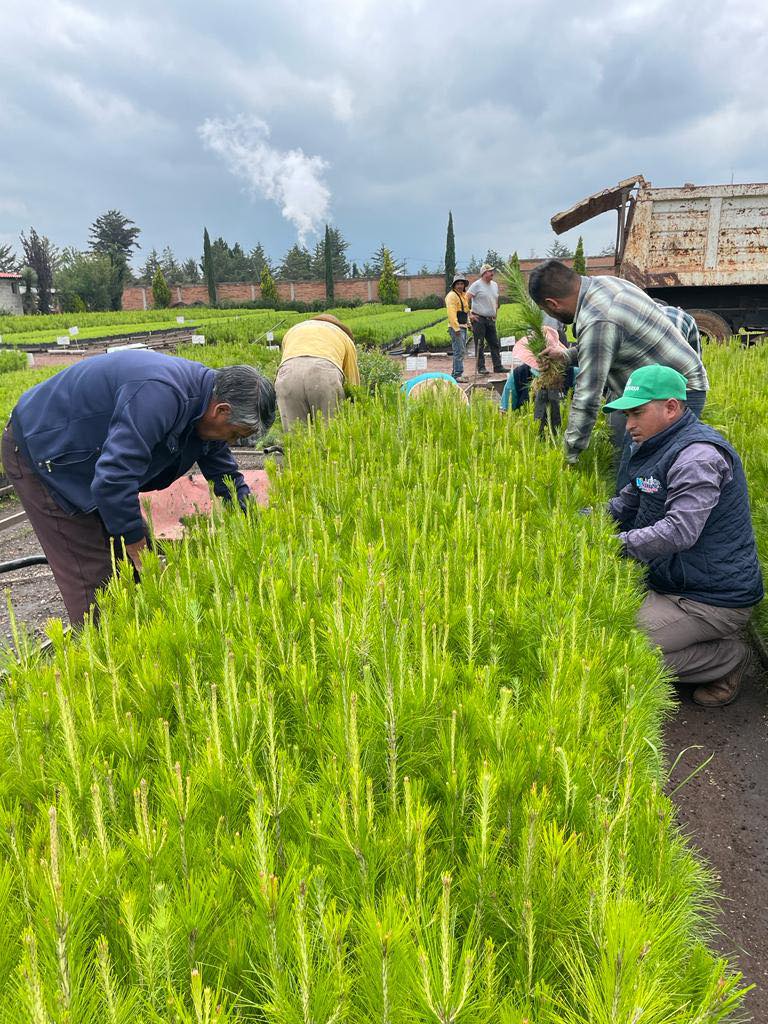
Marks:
<point>618,328</point>
<point>686,516</point>
<point>318,357</point>
<point>484,293</point>
<point>551,321</point>
<point>684,322</point>
<point>80,447</point>
<point>526,369</point>
<point>458,305</point>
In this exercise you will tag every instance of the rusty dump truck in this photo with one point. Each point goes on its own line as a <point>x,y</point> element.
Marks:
<point>702,247</point>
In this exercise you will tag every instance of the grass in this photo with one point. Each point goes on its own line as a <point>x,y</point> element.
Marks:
<point>738,407</point>
<point>388,750</point>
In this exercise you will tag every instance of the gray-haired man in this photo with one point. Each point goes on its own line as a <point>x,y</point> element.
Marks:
<point>80,447</point>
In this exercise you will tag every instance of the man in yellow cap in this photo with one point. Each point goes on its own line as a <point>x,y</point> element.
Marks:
<point>318,356</point>
<point>685,514</point>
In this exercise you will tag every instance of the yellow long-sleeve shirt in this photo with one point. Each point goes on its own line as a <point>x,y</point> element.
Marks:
<point>324,340</point>
<point>455,304</point>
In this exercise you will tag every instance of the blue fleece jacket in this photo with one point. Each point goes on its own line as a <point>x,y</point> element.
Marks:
<point>110,426</point>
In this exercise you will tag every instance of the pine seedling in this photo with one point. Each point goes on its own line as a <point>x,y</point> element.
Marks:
<point>530,319</point>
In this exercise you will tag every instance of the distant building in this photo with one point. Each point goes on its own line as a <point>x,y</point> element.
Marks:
<point>10,292</point>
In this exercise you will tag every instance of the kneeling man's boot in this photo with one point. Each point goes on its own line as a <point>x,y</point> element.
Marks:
<point>723,691</point>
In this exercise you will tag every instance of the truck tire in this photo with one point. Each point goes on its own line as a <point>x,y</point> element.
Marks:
<point>711,324</point>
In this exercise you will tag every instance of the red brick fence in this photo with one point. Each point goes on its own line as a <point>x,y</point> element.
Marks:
<point>363,288</point>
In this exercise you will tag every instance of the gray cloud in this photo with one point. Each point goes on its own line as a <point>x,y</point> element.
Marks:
<point>504,114</point>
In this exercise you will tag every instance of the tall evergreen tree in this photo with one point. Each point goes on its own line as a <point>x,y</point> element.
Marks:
<point>190,271</point>
<point>209,272</point>
<point>376,264</point>
<point>296,264</point>
<point>494,259</point>
<point>450,254</point>
<point>473,267</point>
<point>258,260</point>
<point>355,271</point>
<point>559,250</point>
<point>8,262</point>
<point>389,291</point>
<point>328,254</point>
<point>40,254</point>
<point>579,260</point>
<point>169,266</point>
<point>116,236</point>
<point>335,241</point>
<point>151,263</point>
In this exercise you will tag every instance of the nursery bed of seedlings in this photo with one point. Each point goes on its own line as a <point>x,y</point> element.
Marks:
<point>737,405</point>
<point>389,748</point>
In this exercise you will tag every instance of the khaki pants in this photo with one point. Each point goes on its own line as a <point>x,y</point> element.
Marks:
<point>307,385</point>
<point>700,642</point>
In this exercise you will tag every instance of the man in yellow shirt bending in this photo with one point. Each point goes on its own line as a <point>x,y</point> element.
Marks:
<point>319,355</point>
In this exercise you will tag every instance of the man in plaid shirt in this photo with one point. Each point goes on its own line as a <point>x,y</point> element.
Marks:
<point>684,322</point>
<point>618,328</point>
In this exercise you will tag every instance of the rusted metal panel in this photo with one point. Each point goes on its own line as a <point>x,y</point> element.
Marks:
<point>698,236</point>
<point>600,202</point>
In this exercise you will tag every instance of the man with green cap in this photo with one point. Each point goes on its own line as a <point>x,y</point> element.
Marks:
<point>685,514</point>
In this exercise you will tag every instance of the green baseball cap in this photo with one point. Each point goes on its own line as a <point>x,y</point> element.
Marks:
<point>650,384</point>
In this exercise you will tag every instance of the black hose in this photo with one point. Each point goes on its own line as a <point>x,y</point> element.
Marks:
<point>22,563</point>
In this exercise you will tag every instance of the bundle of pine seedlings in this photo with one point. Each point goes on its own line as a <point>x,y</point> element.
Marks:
<point>388,750</point>
<point>737,406</point>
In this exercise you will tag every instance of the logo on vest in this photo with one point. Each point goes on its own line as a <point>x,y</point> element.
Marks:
<point>648,484</point>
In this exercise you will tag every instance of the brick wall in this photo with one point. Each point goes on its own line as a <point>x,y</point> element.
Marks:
<point>363,288</point>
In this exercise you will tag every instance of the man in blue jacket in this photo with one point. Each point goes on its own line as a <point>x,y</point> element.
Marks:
<point>686,516</point>
<point>80,447</point>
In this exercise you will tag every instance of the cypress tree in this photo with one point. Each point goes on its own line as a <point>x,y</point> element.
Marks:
<point>328,255</point>
<point>208,272</point>
<point>579,260</point>
<point>268,287</point>
<point>450,254</point>
<point>389,290</point>
<point>161,293</point>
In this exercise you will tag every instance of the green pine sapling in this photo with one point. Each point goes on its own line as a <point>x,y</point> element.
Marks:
<point>530,322</point>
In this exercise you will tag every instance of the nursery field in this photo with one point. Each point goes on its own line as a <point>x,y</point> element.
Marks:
<point>738,406</point>
<point>352,758</point>
<point>244,324</point>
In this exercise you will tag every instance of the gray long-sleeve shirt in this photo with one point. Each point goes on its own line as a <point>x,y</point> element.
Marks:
<point>694,483</point>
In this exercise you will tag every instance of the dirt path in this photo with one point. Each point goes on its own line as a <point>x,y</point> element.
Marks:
<point>34,595</point>
<point>725,811</point>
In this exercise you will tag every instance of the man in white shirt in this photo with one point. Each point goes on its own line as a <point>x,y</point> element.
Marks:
<point>485,305</point>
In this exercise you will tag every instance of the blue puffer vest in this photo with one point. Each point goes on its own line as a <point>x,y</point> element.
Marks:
<point>722,567</point>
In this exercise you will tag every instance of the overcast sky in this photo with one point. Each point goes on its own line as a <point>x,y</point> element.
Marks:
<point>264,120</point>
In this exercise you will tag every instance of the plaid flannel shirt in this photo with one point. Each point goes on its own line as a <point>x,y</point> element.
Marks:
<point>685,323</point>
<point>618,328</point>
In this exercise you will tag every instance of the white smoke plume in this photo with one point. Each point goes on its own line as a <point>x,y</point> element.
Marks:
<point>288,177</point>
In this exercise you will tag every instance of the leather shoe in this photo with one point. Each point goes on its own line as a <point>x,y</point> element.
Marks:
<point>723,691</point>
<point>484,372</point>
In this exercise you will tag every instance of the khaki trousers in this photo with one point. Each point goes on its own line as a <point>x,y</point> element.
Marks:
<point>307,385</point>
<point>700,642</point>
